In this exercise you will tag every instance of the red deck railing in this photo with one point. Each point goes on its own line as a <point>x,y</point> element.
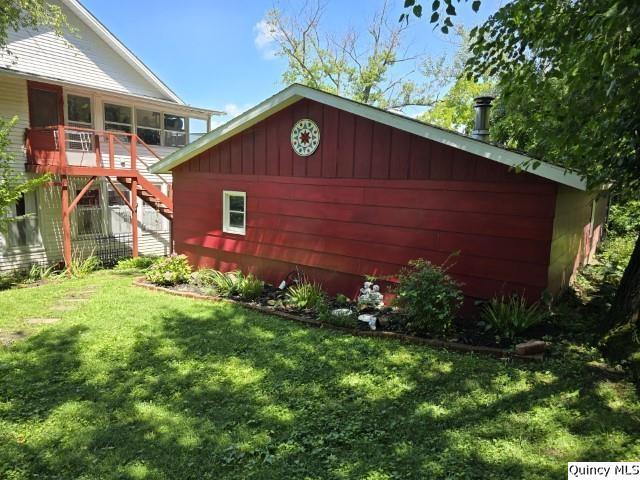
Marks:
<point>74,151</point>
<point>67,149</point>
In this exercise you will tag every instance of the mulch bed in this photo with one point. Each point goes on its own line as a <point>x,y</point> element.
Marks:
<point>263,305</point>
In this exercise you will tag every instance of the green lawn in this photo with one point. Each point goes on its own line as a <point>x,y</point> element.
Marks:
<point>137,384</point>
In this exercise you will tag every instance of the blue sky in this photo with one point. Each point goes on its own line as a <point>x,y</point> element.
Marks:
<point>207,52</point>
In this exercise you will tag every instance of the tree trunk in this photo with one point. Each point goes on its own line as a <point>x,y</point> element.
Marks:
<point>626,305</point>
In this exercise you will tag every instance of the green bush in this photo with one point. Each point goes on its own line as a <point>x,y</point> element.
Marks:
<point>342,300</point>
<point>428,297</point>
<point>81,268</point>
<point>139,263</point>
<point>249,287</point>
<point>226,284</point>
<point>305,295</point>
<point>203,278</point>
<point>168,271</point>
<point>615,253</point>
<point>509,317</point>
<point>624,218</point>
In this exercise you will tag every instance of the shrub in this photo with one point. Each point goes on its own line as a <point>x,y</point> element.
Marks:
<point>624,218</point>
<point>249,287</point>
<point>39,272</point>
<point>342,300</point>
<point>509,317</point>
<point>203,278</point>
<point>616,253</point>
<point>81,268</point>
<point>170,270</point>
<point>305,295</point>
<point>428,297</point>
<point>226,284</point>
<point>139,263</point>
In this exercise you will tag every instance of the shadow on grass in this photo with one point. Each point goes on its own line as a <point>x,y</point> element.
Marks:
<point>221,392</point>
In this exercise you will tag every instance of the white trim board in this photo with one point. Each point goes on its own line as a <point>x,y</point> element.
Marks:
<point>296,92</point>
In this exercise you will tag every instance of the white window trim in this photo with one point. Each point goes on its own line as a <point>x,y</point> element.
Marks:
<point>118,104</point>
<point>33,210</point>
<point>67,121</point>
<point>100,211</point>
<point>226,227</point>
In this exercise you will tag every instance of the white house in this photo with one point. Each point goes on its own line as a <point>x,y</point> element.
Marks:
<point>96,118</point>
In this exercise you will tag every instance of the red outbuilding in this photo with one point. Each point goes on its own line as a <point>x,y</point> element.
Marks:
<point>312,181</point>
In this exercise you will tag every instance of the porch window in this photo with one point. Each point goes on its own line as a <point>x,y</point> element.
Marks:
<point>148,126</point>
<point>234,212</point>
<point>79,116</point>
<point>197,128</point>
<point>152,219</point>
<point>23,228</point>
<point>115,200</point>
<point>79,111</point>
<point>117,117</point>
<point>175,133</point>
<point>89,212</point>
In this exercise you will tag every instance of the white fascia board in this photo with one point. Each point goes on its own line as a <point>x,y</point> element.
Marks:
<point>245,120</point>
<point>295,92</point>
<point>111,40</point>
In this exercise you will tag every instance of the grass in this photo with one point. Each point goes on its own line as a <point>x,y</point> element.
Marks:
<point>131,383</point>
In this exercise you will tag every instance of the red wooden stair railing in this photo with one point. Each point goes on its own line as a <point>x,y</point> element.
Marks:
<point>71,151</point>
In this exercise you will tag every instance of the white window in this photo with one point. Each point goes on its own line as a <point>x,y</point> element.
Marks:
<point>117,117</point>
<point>22,230</point>
<point>197,128</point>
<point>79,111</point>
<point>234,216</point>
<point>152,219</point>
<point>175,131</point>
<point>79,115</point>
<point>88,212</point>
<point>148,126</point>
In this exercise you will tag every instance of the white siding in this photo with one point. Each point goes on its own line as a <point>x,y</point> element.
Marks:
<point>13,102</point>
<point>50,222</point>
<point>82,58</point>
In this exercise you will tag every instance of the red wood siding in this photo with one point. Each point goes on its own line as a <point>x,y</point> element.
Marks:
<point>367,201</point>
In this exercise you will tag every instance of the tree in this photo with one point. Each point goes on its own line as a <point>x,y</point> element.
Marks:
<point>14,15</point>
<point>568,75</point>
<point>17,14</point>
<point>455,109</point>
<point>375,69</point>
<point>13,184</point>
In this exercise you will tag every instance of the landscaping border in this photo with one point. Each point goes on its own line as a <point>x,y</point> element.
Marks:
<point>439,344</point>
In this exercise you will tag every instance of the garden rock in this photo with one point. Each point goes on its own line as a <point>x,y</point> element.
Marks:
<point>532,347</point>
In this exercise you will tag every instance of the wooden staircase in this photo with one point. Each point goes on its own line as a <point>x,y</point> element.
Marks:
<point>151,195</point>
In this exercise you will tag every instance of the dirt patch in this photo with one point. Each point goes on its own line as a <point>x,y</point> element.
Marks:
<point>42,321</point>
<point>61,307</point>
<point>8,338</point>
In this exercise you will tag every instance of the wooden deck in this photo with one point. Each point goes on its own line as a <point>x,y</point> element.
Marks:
<point>64,152</point>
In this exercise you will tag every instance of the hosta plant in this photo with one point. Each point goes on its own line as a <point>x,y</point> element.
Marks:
<point>168,271</point>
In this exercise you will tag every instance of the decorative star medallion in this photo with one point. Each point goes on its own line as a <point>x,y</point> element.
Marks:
<point>305,137</point>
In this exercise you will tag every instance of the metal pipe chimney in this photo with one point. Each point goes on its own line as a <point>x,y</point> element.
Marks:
<point>481,125</point>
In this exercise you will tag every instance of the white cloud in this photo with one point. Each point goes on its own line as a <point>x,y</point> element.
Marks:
<point>264,39</point>
<point>231,110</point>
